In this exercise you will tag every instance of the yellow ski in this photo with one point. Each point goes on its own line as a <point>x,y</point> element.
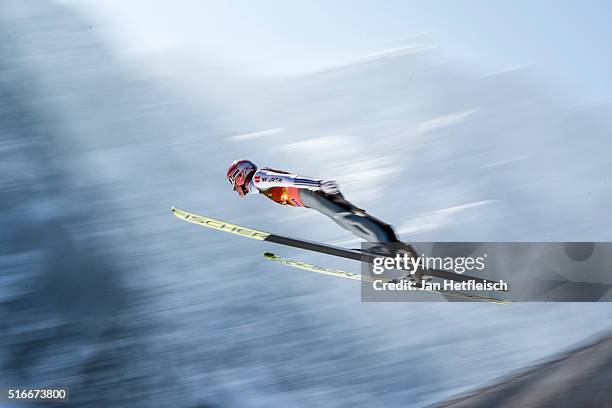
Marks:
<point>219,225</point>
<point>304,244</point>
<point>355,276</point>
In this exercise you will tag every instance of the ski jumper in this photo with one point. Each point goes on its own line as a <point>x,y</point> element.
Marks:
<point>290,189</point>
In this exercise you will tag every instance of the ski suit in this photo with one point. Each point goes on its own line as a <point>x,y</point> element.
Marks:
<point>291,189</point>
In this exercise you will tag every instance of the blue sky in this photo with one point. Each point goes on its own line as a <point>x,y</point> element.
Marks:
<point>566,41</point>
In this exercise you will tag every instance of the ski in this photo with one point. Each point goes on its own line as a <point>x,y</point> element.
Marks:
<point>307,245</point>
<point>312,268</point>
<point>358,277</point>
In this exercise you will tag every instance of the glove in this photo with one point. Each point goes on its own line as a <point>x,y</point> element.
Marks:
<point>330,187</point>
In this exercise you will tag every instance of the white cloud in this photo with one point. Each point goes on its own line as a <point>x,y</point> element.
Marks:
<point>503,71</point>
<point>379,55</point>
<point>435,220</point>
<point>322,145</point>
<point>502,162</point>
<point>258,134</point>
<point>443,121</point>
<point>350,161</point>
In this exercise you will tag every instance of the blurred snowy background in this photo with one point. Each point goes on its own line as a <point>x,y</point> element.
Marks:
<point>111,112</point>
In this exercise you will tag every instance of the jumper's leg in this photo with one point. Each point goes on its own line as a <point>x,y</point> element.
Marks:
<point>349,217</point>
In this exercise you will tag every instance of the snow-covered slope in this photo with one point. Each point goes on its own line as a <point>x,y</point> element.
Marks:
<point>577,378</point>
